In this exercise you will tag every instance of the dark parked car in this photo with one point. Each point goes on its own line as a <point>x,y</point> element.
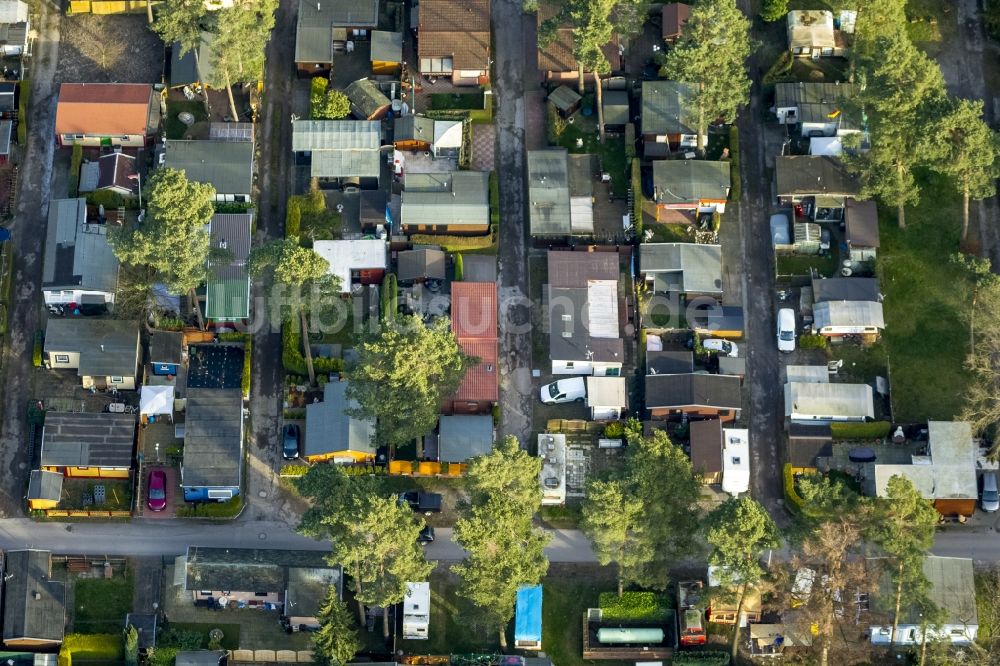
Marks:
<point>290,441</point>
<point>426,536</point>
<point>425,503</point>
<point>157,486</point>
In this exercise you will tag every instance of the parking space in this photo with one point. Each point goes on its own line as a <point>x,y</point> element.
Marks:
<point>173,494</point>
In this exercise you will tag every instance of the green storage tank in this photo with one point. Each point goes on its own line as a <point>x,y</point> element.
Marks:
<point>626,635</point>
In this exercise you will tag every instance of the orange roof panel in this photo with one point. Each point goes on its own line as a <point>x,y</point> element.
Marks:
<point>474,310</point>
<point>106,109</point>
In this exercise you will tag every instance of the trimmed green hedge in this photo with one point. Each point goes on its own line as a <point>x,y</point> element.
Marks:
<point>389,297</point>
<point>637,197</point>
<point>245,378</point>
<point>293,470</point>
<point>630,140</point>
<point>736,186</point>
<point>454,243</point>
<point>873,430</point>
<point>633,606</point>
<point>23,92</point>
<point>793,500</point>
<point>91,647</point>
<point>494,203</point>
<point>233,336</point>
<point>74,170</point>
<point>812,341</point>
<point>700,659</point>
<point>292,354</point>
<point>36,352</point>
<point>459,267</point>
<point>228,509</point>
<point>293,218</point>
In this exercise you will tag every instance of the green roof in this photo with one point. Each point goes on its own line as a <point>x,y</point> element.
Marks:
<point>367,100</point>
<point>616,110</point>
<point>183,70</point>
<point>225,165</point>
<point>665,108</point>
<point>227,290</point>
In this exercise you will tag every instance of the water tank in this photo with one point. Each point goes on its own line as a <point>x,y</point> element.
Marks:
<point>630,635</point>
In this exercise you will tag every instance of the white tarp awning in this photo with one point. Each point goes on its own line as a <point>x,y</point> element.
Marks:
<point>154,400</point>
<point>447,134</point>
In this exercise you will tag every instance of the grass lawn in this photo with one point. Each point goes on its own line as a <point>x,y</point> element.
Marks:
<point>457,101</point>
<point>716,143</point>
<point>861,364</point>
<point>117,493</point>
<point>325,225</point>
<point>931,23</point>
<point>611,152</point>
<point>669,233</point>
<point>454,626</point>
<point>175,128</point>
<point>799,264</point>
<point>230,632</point>
<point>565,517</point>
<point>565,601</point>
<point>926,300</point>
<point>100,604</point>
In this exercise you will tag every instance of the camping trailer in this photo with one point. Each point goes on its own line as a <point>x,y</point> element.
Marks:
<point>417,611</point>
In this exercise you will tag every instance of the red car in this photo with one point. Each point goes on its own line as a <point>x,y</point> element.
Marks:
<point>157,490</point>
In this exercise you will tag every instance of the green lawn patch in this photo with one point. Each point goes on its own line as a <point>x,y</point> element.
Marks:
<point>669,233</point>
<point>100,604</point>
<point>634,606</point>
<point>92,648</point>
<point>455,627</point>
<point>927,298</point>
<point>800,264</point>
<point>175,128</point>
<point>614,161</point>
<point>861,364</point>
<point>230,632</point>
<point>716,144</point>
<point>565,601</point>
<point>566,517</point>
<point>457,101</point>
<point>228,509</point>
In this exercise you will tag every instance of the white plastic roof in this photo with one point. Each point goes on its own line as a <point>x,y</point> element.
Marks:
<point>154,400</point>
<point>735,460</point>
<point>602,306</point>
<point>447,134</point>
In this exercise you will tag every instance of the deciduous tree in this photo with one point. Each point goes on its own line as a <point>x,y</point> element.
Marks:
<point>305,271</point>
<point>404,372</point>
<point>711,55</point>
<point>505,549</point>
<point>327,104</point>
<point>904,531</point>
<point>183,21</point>
<point>337,640</point>
<point>739,531</point>
<point>171,240</point>
<point>774,10</point>
<point>962,146</point>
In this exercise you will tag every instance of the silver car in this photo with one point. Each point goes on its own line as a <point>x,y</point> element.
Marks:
<point>989,501</point>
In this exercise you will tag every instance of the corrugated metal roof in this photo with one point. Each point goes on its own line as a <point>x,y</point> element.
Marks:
<point>88,439</point>
<point>838,314</point>
<point>227,289</point>
<point>329,428</point>
<point>225,165</point>
<point>322,135</point>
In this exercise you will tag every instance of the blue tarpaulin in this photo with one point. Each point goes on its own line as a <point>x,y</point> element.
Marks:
<point>528,620</point>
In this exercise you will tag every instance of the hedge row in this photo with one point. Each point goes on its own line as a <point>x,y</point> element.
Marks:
<point>700,659</point>
<point>75,162</point>
<point>792,498</point>
<point>91,647</point>
<point>816,341</point>
<point>873,430</point>
<point>454,243</point>
<point>295,362</point>
<point>637,196</point>
<point>228,509</point>
<point>293,218</point>
<point>736,186</point>
<point>247,358</point>
<point>632,606</point>
<point>22,111</point>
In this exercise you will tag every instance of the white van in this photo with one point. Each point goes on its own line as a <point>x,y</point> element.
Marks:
<point>786,330</point>
<point>565,390</point>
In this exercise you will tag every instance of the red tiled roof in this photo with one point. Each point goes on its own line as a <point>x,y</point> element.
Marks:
<point>474,310</point>
<point>675,15</point>
<point>103,108</point>
<point>481,381</point>
<point>459,29</point>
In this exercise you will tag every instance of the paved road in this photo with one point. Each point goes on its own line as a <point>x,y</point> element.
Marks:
<point>28,231</point>
<point>515,313</point>
<point>274,173</point>
<point>763,376</point>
